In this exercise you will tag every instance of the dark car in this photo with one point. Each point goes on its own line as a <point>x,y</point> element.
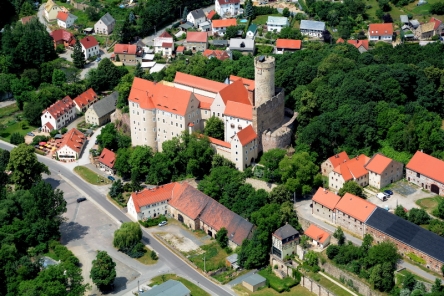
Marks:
<point>111,178</point>
<point>389,192</point>
<point>81,199</point>
<point>30,134</point>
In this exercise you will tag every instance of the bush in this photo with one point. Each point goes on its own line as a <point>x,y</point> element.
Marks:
<point>53,133</point>
<point>153,255</point>
<point>40,138</point>
<point>152,222</point>
<point>63,130</point>
<point>16,139</point>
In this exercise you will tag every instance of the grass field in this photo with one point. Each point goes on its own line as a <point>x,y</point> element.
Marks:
<point>262,19</point>
<point>277,283</point>
<point>194,289</point>
<point>429,203</point>
<point>146,258</point>
<point>90,176</point>
<point>14,127</point>
<point>400,275</point>
<point>326,283</point>
<point>295,291</point>
<point>214,257</point>
<point>8,110</point>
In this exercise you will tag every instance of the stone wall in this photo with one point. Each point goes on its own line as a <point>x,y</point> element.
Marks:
<point>423,181</point>
<point>314,287</point>
<point>80,6</point>
<point>351,224</point>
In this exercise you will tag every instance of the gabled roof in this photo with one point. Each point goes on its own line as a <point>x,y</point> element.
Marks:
<point>436,21</point>
<point>204,101</point>
<point>277,20</point>
<point>235,92</point>
<point>180,48</point>
<point>107,19</point>
<point>198,37</point>
<point>74,139</point>
<point>407,233</point>
<point>105,105</point>
<point>88,42</point>
<point>86,98</point>
<point>168,288</point>
<point>286,231</point>
<point>427,165</point>
<point>312,25</point>
<point>198,82</point>
<point>157,194</point>
<point>224,23</point>
<point>339,158</point>
<point>252,28</point>
<point>189,200</point>
<point>288,43</point>
<point>218,54</point>
<point>359,43</point>
<point>125,48</point>
<point>108,158</point>
<point>248,83</point>
<point>380,29</point>
<point>197,13</point>
<point>427,27</point>
<point>165,34</point>
<point>254,279</point>
<point>378,163</point>
<point>26,19</point>
<point>326,198</point>
<point>63,16</point>
<point>219,142</point>
<point>316,233</point>
<point>353,169</point>
<point>49,126</point>
<point>355,207</point>
<point>62,35</point>
<point>224,2</point>
<point>49,5</point>
<point>211,14</point>
<point>60,107</point>
<point>241,44</point>
<point>246,135</point>
<point>238,110</point>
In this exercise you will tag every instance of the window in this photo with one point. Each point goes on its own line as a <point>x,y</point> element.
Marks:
<point>418,175</point>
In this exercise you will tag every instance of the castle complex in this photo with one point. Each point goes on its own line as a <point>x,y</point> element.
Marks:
<point>254,114</point>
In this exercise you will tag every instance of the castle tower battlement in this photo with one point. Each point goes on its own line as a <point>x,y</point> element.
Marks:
<point>264,68</point>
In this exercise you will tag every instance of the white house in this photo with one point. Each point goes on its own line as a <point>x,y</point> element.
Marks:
<point>164,44</point>
<point>244,148</point>
<point>251,32</point>
<point>220,26</point>
<point>105,25</point>
<point>150,202</point>
<point>90,46</point>
<point>380,32</point>
<point>65,19</point>
<point>71,145</point>
<point>196,17</point>
<point>58,115</point>
<point>227,8</point>
<point>51,10</point>
<point>276,23</point>
<point>312,28</point>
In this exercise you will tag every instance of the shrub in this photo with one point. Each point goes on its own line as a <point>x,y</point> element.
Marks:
<point>416,258</point>
<point>16,139</point>
<point>63,130</point>
<point>153,255</point>
<point>152,222</point>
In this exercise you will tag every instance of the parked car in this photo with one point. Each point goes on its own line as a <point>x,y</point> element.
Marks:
<point>163,223</point>
<point>111,178</point>
<point>389,192</point>
<point>81,199</point>
<point>98,59</point>
<point>381,196</point>
<point>30,134</point>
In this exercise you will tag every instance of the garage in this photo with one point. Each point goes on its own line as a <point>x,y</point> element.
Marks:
<point>434,189</point>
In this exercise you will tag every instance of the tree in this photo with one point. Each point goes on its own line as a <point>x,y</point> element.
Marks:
<point>78,57</point>
<point>58,77</point>
<point>400,212</point>
<point>351,187</point>
<point>286,12</point>
<point>222,238</point>
<point>215,128</point>
<point>138,72</point>
<point>219,160</point>
<point>305,242</point>
<point>439,211</point>
<point>32,111</point>
<point>418,216</point>
<point>366,243</point>
<point>280,194</point>
<point>103,270</point>
<point>271,160</point>
<point>17,138</point>
<point>332,251</point>
<point>409,281</point>
<point>376,276</point>
<point>437,8</point>
<point>24,166</point>
<point>339,235</point>
<point>116,189</point>
<point>185,13</point>
<point>106,76</point>
<point>127,239</point>
<point>311,258</point>
<point>437,286</point>
<point>92,14</point>
<point>231,32</point>
<point>153,255</point>
<point>26,9</point>
<point>249,12</point>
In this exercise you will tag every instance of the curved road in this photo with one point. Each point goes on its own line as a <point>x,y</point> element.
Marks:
<point>170,258</point>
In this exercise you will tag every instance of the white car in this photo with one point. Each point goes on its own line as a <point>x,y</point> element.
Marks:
<point>163,223</point>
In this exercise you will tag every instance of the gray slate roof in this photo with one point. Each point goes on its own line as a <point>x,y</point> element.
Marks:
<point>220,42</point>
<point>277,20</point>
<point>241,44</point>
<point>198,13</point>
<point>312,25</point>
<point>286,231</point>
<point>404,18</point>
<point>105,105</point>
<point>187,25</point>
<point>107,19</point>
<point>407,233</point>
<point>254,279</point>
<point>170,287</point>
<point>414,23</point>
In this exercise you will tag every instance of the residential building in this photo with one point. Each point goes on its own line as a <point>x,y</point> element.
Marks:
<point>26,19</point>
<point>380,32</point>
<point>361,45</point>
<point>186,26</point>
<point>251,32</point>
<point>324,203</point>
<point>220,26</point>
<point>352,170</point>
<point>227,8</point>
<point>150,202</point>
<point>312,28</point>
<point>320,238</point>
<point>107,160</point>
<point>199,86</point>
<point>164,44</point>
<point>276,23</point>
<point>90,46</point>
<point>211,14</point>
<point>196,17</point>
<point>71,145</point>
<point>352,212</point>
<point>383,171</point>
<point>254,282</point>
<point>127,53</point>
<point>205,26</point>
<point>244,45</point>
<point>284,241</point>
<point>85,99</point>
<point>287,45</point>
<point>170,287</point>
<point>244,144</point>
<point>63,37</point>
<point>65,19</point>
<point>99,113</point>
<point>332,162</point>
<point>426,171</point>
<point>218,54</point>
<point>196,41</point>
<point>180,49</point>
<point>430,29</point>
<point>408,238</point>
<point>51,10</point>
<point>58,115</point>
<point>105,25</point>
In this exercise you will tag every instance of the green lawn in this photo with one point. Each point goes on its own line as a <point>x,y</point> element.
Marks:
<point>400,275</point>
<point>214,257</point>
<point>195,290</point>
<point>90,176</point>
<point>326,283</point>
<point>295,291</point>
<point>146,258</point>
<point>429,203</point>
<point>13,126</point>
<point>275,282</point>
<point>8,110</point>
<point>262,19</point>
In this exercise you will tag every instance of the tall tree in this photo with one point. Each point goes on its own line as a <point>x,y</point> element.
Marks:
<point>26,9</point>
<point>185,13</point>
<point>78,57</point>
<point>222,238</point>
<point>249,12</point>
<point>103,270</point>
<point>138,72</point>
<point>215,128</point>
<point>351,187</point>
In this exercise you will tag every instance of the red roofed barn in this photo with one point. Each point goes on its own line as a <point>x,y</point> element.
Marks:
<point>58,115</point>
<point>61,36</point>
<point>85,99</point>
<point>426,171</point>
<point>71,145</point>
<point>107,160</point>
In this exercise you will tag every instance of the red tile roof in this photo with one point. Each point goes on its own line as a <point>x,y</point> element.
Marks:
<point>26,19</point>
<point>355,207</point>
<point>246,135</point>
<point>211,14</point>
<point>74,139</point>
<point>224,23</point>
<point>220,142</point>
<point>339,158</point>
<point>60,107</point>
<point>354,168</point>
<point>239,110</point>
<point>62,35</point>
<point>108,158</point>
<point>316,233</point>
<point>199,37</point>
<point>63,16</point>
<point>218,54</point>
<point>88,42</point>
<point>288,43</point>
<point>167,44</point>
<point>436,21</point>
<point>152,95</point>
<point>359,43</point>
<point>125,49</point>
<point>188,200</point>
<point>198,82</point>
<point>427,165</point>
<point>180,48</point>
<point>204,102</point>
<point>150,196</point>
<point>248,83</point>
<point>378,163</point>
<point>49,125</point>
<point>86,98</point>
<point>326,198</point>
<point>224,2</point>
<point>340,40</point>
<point>165,34</point>
<point>235,92</point>
<point>380,29</point>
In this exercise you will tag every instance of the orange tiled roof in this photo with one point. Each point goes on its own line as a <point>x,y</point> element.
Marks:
<point>198,82</point>
<point>85,98</point>
<point>224,23</point>
<point>88,42</point>
<point>340,40</point>
<point>63,16</point>
<point>235,92</point>
<point>339,158</point>
<point>238,110</point>
<point>356,207</point>
<point>125,48</point>
<point>219,142</point>
<point>354,168</point>
<point>221,55</point>
<point>108,158</point>
<point>359,43</point>
<point>326,198</point>
<point>199,37</point>
<point>204,102</point>
<point>246,135</point>
<point>436,21</point>
<point>378,163</point>
<point>74,139</point>
<point>211,14</point>
<point>60,107</point>
<point>49,125</point>
<point>316,233</point>
<point>248,83</point>
<point>26,19</point>
<point>180,48</point>
<point>165,34</point>
<point>380,29</point>
<point>427,165</point>
<point>149,196</point>
<point>288,43</point>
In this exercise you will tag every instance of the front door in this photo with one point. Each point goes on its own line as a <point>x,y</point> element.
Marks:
<point>180,218</point>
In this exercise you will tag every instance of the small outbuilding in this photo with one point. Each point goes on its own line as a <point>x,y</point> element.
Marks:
<point>231,261</point>
<point>254,282</point>
<point>170,287</point>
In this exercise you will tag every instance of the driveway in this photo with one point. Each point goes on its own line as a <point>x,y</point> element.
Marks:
<point>41,16</point>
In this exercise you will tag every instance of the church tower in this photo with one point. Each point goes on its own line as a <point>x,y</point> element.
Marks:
<point>264,79</point>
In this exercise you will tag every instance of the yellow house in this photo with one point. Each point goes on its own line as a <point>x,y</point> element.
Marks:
<point>51,10</point>
<point>100,112</point>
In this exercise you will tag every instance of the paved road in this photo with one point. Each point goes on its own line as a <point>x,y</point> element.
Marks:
<point>180,267</point>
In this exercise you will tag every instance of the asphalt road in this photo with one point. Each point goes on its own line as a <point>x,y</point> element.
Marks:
<point>170,258</point>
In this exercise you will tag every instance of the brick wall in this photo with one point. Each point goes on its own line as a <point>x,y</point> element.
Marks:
<point>192,224</point>
<point>351,224</point>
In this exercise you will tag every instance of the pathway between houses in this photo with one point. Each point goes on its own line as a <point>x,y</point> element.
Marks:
<point>338,284</point>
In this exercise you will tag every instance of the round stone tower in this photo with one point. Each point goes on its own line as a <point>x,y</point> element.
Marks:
<point>264,79</point>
